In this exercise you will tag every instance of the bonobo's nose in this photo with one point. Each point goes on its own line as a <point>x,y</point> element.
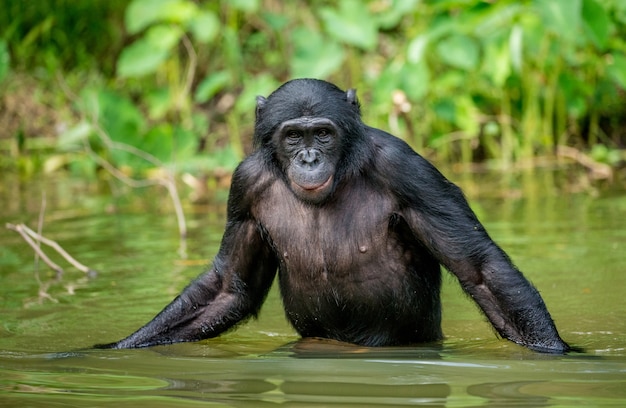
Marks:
<point>309,157</point>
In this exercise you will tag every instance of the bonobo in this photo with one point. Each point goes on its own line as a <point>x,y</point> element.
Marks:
<point>357,225</point>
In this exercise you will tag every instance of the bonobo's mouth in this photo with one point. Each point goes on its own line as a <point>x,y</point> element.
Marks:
<point>314,193</point>
<point>312,188</point>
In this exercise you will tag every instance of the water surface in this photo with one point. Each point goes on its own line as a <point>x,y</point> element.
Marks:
<point>570,245</point>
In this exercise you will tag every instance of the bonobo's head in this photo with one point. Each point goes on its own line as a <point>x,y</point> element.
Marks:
<point>307,127</point>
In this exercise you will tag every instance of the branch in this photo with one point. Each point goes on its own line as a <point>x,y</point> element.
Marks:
<point>55,245</point>
<point>191,72</point>
<point>20,230</point>
<point>28,235</point>
<point>169,181</point>
<point>598,170</point>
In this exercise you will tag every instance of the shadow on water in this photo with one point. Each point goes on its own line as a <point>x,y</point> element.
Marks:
<point>307,373</point>
<point>572,249</point>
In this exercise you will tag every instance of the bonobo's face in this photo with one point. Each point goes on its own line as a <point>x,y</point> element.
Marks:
<point>308,129</point>
<point>308,149</point>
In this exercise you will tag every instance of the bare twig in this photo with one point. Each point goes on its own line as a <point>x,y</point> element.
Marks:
<point>169,181</point>
<point>191,70</point>
<point>28,235</point>
<point>55,245</point>
<point>19,228</point>
<point>598,170</point>
<point>43,287</point>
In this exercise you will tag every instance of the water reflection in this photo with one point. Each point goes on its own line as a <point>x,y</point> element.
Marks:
<point>572,250</point>
<point>178,375</point>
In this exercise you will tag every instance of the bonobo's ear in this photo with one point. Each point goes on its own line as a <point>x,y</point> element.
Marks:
<point>260,104</point>
<point>352,99</point>
<point>351,96</point>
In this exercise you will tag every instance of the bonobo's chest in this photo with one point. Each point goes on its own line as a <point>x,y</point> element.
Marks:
<point>335,237</point>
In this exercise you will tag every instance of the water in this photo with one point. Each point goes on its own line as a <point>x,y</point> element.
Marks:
<point>571,245</point>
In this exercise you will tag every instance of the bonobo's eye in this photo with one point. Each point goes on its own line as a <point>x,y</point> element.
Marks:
<point>323,136</point>
<point>293,137</point>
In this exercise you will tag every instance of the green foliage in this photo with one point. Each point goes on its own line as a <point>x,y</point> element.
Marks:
<point>119,131</point>
<point>62,34</point>
<point>603,154</point>
<point>5,60</point>
<point>143,13</point>
<point>351,23</point>
<point>211,86</point>
<point>148,53</point>
<point>314,56</point>
<point>459,51</point>
<point>165,22</point>
<point>465,80</point>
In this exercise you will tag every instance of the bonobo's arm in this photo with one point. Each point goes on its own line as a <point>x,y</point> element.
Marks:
<point>442,221</point>
<point>232,290</point>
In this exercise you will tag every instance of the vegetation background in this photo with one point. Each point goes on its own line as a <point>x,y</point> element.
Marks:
<point>139,86</point>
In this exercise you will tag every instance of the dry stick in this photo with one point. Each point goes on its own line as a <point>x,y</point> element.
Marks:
<point>20,230</point>
<point>598,170</point>
<point>169,182</point>
<point>43,287</point>
<point>54,245</point>
<point>191,71</point>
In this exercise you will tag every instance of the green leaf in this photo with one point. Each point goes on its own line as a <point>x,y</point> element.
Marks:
<point>159,102</point>
<point>5,60</point>
<point>314,56</point>
<point>445,109</point>
<point>204,26</point>
<point>383,87</point>
<point>459,51</point>
<point>604,154</point>
<point>262,84</point>
<point>415,80</point>
<point>158,141</point>
<point>516,47</point>
<point>120,118</point>
<point>247,6</point>
<point>466,115</point>
<point>211,85</point>
<point>498,17</point>
<point>142,13</point>
<point>81,166</point>
<point>351,24</point>
<point>276,21</point>
<point>73,137</point>
<point>617,70</point>
<point>619,10</point>
<point>393,12</point>
<point>497,62</point>
<point>417,47</point>
<point>185,144</point>
<point>563,17</point>
<point>140,58</point>
<point>146,54</point>
<point>596,22</point>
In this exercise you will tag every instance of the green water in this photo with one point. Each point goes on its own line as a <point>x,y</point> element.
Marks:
<point>572,246</point>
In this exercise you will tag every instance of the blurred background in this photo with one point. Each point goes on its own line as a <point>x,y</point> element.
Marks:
<point>521,103</point>
<point>484,84</point>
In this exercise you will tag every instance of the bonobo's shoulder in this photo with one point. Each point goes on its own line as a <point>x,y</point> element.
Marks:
<point>390,148</point>
<point>405,171</point>
<point>249,168</point>
<point>251,177</point>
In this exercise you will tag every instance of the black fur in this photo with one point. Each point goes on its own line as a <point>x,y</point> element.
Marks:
<point>358,256</point>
